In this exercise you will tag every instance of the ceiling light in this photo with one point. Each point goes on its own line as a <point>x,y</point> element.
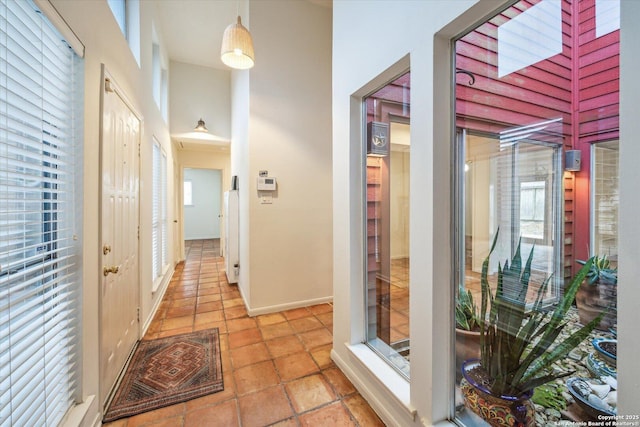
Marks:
<point>237,47</point>
<point>201,127</point>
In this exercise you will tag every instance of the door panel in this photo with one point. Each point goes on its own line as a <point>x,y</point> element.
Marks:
<point>119,235</point>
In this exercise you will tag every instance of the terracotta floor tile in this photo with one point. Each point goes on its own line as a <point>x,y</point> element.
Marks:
<point>209,316</point>
<point>208,289</point>
<point>184,301</point>
<point>295,366</point>
<point>326,319</point>
<point>305,324</point>
<point>322,356</point>
<point>316,338</point>
<point>176,322</point>
<point>235,312</point>
<point>309,392</point>
<point>222,415</point>
<point>331,415</point>
<point>228,393</point>
<point>172,332</point>
<point>209,306</point>
<point>291,422</point>
<point>244,337</point>
<point>181,310</point>
<point>270,319</point>
<point>321,308</point>
<point>264,407</point>
<point>222,326</point>
<point>276,330</point>
<point>249,354</point>
<point>118,423</point>
<point>362,412</point>
<point>339,381</point>
<point>209,298</point>
<point>296,313</point>
<point>158,414</point>
<point>284,346</point>
<point>230,303</point>
<point>255,377</point>
<point>240,324</point>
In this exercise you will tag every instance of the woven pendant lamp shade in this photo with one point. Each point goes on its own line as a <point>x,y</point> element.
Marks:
<point>237,47</point>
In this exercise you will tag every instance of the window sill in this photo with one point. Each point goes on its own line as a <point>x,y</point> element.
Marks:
<point>396,384</point>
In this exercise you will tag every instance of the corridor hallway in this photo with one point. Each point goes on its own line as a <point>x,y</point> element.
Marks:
<point>276,367</point>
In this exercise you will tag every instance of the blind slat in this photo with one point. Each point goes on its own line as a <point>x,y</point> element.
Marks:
<point>40,115</point>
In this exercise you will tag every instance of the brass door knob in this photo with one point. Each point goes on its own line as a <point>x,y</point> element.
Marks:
<point>113,269</point>
<point>106,249</point>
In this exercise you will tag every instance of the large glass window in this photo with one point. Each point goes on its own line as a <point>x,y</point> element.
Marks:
<point>530,84</point>
<point>605,200</point>
<point>40,127</point>
<point>387,159</point>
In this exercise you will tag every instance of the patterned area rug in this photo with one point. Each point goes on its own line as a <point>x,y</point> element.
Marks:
<point>166,371</point>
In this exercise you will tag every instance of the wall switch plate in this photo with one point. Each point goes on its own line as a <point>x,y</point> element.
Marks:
<point>266,200</point>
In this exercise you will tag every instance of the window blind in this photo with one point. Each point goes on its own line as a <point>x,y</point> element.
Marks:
<point>155,211</point>
<point>159,212</point>
<point>40,118</point>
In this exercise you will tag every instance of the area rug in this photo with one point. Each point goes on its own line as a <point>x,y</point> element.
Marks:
<point>166,371</point>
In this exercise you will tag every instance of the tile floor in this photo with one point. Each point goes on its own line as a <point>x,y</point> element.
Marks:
<point>277,369</point>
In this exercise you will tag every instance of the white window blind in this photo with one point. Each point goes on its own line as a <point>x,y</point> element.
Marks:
<point>40,118</point>
<point>159,212</point>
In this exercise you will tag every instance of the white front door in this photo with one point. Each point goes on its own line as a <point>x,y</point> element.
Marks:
<point>119,273</point>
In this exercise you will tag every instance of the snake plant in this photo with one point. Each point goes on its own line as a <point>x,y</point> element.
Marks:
<point>517,346</point>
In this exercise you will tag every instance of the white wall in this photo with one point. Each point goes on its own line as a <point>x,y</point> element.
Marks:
<point>285,247</point>
<point>202,217</point>
<point>93,23</point>
<point>423,31</point>
<point>629,233</point>
<point>200,92</point>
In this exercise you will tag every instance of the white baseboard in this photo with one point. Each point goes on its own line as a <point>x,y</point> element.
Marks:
<point>287,306</point>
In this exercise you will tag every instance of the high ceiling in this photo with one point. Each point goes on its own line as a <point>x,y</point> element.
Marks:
<point>192,29</point>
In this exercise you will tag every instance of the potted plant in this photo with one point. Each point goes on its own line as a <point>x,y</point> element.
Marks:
<point>517,347</point>
<point>467,329</point>
<point>598,292</point>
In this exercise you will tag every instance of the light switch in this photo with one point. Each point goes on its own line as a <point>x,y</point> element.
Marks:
<point>266,200</point>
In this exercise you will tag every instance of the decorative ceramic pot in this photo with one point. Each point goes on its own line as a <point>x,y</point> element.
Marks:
<point>498,411</point>
<point>606,349</point>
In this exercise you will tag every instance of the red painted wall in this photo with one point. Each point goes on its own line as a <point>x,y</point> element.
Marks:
<point>580,85</point>
<point>598,76</point>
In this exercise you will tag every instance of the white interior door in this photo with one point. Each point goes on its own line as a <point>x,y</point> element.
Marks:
<point>120,154</point>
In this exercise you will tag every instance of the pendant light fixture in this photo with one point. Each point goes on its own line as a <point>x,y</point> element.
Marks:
<point>201,127</point>
<point>237,47</point>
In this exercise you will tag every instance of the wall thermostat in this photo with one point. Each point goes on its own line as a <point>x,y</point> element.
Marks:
<point>266,184</point>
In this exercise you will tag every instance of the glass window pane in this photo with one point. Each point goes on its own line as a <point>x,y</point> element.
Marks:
<point>542,84</point>
<point>605,200</point>
<point>387,161</point>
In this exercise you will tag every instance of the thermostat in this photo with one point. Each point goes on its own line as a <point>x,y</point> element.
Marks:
<point>266,184</point>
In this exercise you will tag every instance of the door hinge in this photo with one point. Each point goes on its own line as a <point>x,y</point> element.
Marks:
<point>107,85</point>
<point>138,314</point>
<point>138,232</point>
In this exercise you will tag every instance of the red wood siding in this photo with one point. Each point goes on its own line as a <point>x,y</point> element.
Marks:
<point>581,85</point>
<point>598,107</point>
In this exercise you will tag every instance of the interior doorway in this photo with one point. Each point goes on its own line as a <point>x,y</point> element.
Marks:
<point>202,204</point>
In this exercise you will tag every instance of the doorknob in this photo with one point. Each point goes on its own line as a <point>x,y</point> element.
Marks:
<point>106,249</point>
<point>113,269</point>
